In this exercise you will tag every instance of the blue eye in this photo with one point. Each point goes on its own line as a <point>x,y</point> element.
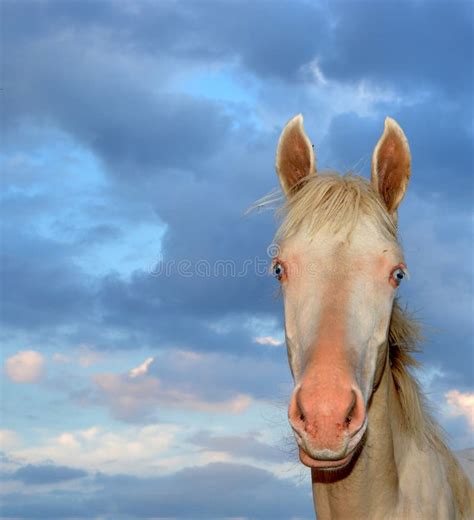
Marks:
<point>278,270</point>
<point>398,275</point>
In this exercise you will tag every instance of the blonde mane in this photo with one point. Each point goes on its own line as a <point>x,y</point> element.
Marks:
<point>403,339</point>
<point>337,202</point>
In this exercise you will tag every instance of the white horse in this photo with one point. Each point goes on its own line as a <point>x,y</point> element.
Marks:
<point>356,411</point>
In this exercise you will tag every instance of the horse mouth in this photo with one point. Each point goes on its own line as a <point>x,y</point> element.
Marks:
<point>326,459</point>
<point>331,464</point>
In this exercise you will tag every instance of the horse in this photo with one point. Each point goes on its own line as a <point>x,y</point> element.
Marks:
<point>356,410</point>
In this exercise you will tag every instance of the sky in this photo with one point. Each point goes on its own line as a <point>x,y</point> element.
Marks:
<point>144,369</point>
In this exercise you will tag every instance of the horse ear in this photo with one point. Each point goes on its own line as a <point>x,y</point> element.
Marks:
<point>295,157</point>
<point>391,165</point>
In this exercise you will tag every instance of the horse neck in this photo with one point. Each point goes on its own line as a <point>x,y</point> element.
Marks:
<point>369,488</point>
<point>394,471</point>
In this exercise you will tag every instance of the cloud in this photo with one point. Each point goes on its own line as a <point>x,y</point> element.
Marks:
<point>33,304</point>
<point>61,358</point>
<point>248,445</point>
<point>268,340</point>
<point>130,137</point>
<point>8,439</point>
<point>140,448</point>
<point>432,254</point>
<point>406,43</point>
<point>214,491</point>
<point>26,366</point>
<point>84,356</point>
<point>210,34</point>
<point>87,356</point>
<point>339,37</point>
<point>143,307</point>
<point>46,474</point>
<point>142,369</point>
<point>150,450</point>
<point>438,149</point>
<point>138,394</point>
<point>461,404</point>
<point>189,380</point>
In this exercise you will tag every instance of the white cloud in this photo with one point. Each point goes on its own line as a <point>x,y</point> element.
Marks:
<point>26,366</point>
<point>141,369</point>
<point>315,70</point>
<point>268,340</point>
<point>134,450</point>
<point>151,450</point>
<point>265,331</point>
<point>461,404</point>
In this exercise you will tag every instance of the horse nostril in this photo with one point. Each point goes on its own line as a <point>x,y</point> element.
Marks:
<point>351,410</point>
<point>296,412</point>
<point>355,414</point>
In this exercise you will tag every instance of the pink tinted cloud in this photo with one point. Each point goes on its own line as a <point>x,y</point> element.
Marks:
<point>135,395</point>
<point>27,366</point>
<point>461,404</point>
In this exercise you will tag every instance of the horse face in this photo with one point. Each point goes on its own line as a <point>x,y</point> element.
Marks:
<point>338,290</point>
<point>338,295</point>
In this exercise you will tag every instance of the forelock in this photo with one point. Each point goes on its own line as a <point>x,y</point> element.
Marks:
<point>335,202</point>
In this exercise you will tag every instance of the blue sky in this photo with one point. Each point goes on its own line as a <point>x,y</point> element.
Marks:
<point>135,135</point>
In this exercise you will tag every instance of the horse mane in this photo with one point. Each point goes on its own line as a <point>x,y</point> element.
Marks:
<point>403,340</point>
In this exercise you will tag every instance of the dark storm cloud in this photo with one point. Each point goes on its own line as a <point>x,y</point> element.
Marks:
<point>412,44</point>
<point>102,75</point>
<point>214,491</point>
<point>46,474</point>
<point>258,35</point>
<point>41,284</point>
<point>103,105</point>
<point>261,35</point>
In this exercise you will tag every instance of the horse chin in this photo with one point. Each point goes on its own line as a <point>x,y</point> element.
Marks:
<point>320,464</point>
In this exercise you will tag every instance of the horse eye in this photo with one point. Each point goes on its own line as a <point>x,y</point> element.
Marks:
<point>398,275</point>
<point>278,270</point>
